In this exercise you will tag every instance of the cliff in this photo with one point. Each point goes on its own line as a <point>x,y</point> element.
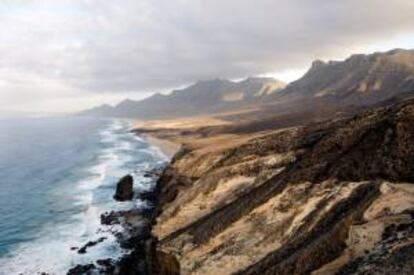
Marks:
<point>323,198</point>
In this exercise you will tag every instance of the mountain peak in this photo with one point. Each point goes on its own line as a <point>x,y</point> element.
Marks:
<point>318,63</point>
<point>359,79</point>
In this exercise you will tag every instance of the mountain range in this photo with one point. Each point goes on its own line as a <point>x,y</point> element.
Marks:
<point>359,80</point>
<point>203,97</point>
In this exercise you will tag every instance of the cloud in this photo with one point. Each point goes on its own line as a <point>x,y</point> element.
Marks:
<point>102,46</point>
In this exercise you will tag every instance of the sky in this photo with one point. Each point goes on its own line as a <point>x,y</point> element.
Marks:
<point>67,55</point>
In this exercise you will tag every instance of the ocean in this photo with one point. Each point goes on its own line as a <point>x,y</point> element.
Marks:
<point>57,176</point>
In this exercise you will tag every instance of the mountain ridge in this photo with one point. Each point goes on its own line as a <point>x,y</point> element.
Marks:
<point>202,97</point>
<point>361,79</point>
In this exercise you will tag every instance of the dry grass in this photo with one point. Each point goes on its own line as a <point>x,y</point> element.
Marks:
<point>181,123</point>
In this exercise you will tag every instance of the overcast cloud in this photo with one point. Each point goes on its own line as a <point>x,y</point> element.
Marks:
<point>66,55</point>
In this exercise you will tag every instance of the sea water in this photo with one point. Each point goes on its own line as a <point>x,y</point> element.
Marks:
<point>57,176</point>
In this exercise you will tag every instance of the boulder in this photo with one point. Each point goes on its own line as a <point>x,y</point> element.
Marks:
<point>111,218</point>
<point>124,189</point>
<point>83,249</point>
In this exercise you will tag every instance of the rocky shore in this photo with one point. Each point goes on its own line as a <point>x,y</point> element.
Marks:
<point>136,237</point>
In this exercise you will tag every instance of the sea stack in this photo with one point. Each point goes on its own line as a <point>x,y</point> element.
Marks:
<point>124,190</point>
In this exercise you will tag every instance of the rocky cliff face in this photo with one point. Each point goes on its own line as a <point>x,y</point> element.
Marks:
<point>326,198</point>
<point>360,79</point>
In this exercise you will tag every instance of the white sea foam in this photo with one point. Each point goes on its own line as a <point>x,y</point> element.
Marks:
<point>138,138</point>
<point>154,150</point>
<point>50,251</point>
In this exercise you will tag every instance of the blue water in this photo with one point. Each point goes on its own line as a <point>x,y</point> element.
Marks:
<point>57,175</point>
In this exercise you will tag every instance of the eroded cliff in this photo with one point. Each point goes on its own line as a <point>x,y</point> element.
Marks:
<point>332,197</point>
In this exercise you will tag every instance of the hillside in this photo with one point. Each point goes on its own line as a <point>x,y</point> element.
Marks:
<point>331,197</point>
<point>204,97</point>
<point>360,79</point>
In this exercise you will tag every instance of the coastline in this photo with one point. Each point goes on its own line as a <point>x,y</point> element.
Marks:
<point>135,234</point>
<point>167,147</point>
<point>219,205</point>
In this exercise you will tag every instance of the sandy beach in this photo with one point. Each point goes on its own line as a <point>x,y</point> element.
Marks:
<point>167,147</point>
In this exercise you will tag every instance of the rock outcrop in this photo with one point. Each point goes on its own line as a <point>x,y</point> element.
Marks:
<point>124,189</point>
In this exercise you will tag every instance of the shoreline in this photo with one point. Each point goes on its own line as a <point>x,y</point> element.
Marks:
<point>167,147</point>
<point>135,234</point>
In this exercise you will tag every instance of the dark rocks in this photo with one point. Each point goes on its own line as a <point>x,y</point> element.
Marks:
<point>136,228</point>
<point>135,235</point>
<point>83,249</point>
<point>106,266</point>
<point>82,269</point>
<point>120,217</point>
<point>111,218</point>
<point>150,196</point>
<point>124,189</point>
<point>133,263</point>
<point>146,259</point>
